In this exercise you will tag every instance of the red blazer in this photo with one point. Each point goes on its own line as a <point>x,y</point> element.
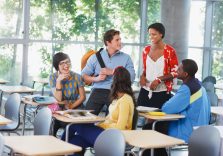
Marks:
<point>170,63</point>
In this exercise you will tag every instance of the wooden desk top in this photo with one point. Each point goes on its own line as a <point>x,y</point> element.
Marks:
<point>217,110</point>
<point>40,145</point>
<point>150,139</point>
<point>16,89</point>
<point>2,81</point>
<point>41,80</point>
<point>4,121</point>
<point>79,120</point>
<point>166,117</point>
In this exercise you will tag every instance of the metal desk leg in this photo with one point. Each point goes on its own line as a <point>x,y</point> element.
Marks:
<point>153,128</point>
<point>169,151</point>
<point>67,132</point>
<point>141,151</point>
<point>1,102</point>
<point>24,119</point>
<point>43,89</point>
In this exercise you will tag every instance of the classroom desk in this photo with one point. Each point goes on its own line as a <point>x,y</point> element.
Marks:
<point>2,81</point>
<point>14,89</point>
<point>149,139</point>
<point>4,121</point>
<point>217,110</point>
<point>43,81</point>
<point>40,145</point>
<point>72,121</point>
<point>167,117</point>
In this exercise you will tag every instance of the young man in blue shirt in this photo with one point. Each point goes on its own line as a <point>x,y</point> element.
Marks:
<point>102,77</point>
<point>191,100</point>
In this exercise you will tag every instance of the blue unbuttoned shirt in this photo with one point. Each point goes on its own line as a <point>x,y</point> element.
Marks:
<point>117,59</point>
<point>194,105</point>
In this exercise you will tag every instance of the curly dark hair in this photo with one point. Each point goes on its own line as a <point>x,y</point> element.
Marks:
<point>121,83</point>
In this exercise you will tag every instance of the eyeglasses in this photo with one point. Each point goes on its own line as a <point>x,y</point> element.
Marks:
<point>65,62</point>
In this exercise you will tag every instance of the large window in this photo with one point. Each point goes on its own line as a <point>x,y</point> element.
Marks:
<point>217,40</point>
<point>11,19</point>
<point>32,31</point>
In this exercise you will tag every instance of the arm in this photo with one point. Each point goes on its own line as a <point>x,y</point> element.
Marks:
<point>172,65</point>
<point>88,73</point>
<point>57,91</point>
<point>179,102</point>
<point>55,87</point>
<point>80,100</point>
<point>143,80</point>
<point>130,67</point>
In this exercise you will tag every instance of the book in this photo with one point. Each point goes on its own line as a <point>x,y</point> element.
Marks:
<point>146,109</point>
<point>76,114</point>
<point>157,113</point>
<point>44,99</point>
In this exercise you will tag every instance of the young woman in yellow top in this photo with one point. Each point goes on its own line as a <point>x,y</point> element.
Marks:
<point>120,113</point>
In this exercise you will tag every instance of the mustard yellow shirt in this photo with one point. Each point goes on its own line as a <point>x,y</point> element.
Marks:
<point>120,114</point>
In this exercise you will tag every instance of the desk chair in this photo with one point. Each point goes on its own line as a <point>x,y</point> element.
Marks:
<point>211,79</point>
<point>42,122</point>
<point>205,141</point>
<point>12,112</point>
<point>209,86</point>
<point>110,142</point>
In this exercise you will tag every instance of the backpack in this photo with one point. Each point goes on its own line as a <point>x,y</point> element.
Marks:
<point>87,56</point>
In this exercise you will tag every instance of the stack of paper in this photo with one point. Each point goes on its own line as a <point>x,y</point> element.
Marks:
<point>146,109</point>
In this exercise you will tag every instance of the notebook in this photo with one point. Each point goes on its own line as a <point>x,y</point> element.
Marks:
<point>44,99</point>
<point>146,109</point>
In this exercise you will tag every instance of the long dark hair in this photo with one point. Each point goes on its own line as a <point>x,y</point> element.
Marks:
<point>121,83</point>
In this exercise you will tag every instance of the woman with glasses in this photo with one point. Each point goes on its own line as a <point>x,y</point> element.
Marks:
<point>67,86</point>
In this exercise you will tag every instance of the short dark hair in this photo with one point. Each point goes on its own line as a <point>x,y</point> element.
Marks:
<point>108,36</point>
<point>60,56</point>
<point>158,27</point>
<point>190,66</point>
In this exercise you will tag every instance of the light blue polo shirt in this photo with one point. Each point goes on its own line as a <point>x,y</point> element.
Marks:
<point>117,59</point>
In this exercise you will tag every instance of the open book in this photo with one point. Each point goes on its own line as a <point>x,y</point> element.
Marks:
<point>77,114</point>
<point>146,109</point>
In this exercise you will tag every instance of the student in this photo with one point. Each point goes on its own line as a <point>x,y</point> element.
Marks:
<point>120,115</point>
<point>191,100</point>
<point>102,77</point>
<point>159,69</point>
<point>66,85</point>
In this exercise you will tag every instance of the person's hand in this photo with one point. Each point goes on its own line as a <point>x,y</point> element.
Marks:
<point>63,76</point>
<point>100,77</point>
<point>66,105</point>
<point>142,80</point>
<point>106,71</point>
<point>154,84</point>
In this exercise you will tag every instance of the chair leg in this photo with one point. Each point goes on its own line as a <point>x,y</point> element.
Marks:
<point>168,151</point>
